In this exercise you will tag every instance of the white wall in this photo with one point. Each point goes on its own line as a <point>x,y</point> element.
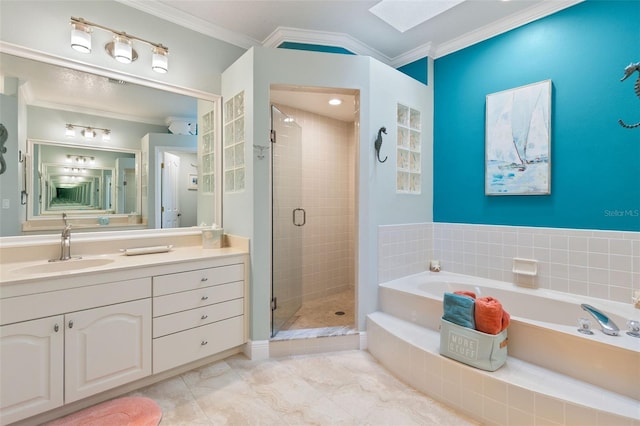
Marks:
<point>380,89</point>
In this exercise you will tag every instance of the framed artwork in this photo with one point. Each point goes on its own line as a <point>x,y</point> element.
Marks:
<point>192,181</point>
<point>518,141</point>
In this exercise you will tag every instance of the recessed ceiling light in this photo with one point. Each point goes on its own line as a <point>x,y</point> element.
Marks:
<point>335,101</point>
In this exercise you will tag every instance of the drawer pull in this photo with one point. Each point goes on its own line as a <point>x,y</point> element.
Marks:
<point>204,297</point>
<point>205,316</point>
<point>203,279</point>
<point>204,343</point>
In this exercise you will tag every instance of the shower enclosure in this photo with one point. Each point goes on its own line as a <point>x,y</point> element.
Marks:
<point>313,213</point>
<point>288,216</point>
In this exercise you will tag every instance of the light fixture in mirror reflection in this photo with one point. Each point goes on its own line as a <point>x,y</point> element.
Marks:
<point>80,180</point>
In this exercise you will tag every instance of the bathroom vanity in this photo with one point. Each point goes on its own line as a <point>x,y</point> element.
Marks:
<point>72,330</point>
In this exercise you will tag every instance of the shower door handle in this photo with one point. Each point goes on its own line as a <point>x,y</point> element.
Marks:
<point>296,221</point>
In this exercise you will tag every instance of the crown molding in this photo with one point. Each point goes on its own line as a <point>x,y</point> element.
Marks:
<point>171,14</point>
<point>502,26</point>
<point>322,38</point>
<point>412,55</point>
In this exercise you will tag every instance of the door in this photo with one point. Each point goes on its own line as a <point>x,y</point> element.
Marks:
<point>170,201</point>
<point>288,219</point>
<point>126,186</point>
<point>34,383</point>
<point>106,347</point>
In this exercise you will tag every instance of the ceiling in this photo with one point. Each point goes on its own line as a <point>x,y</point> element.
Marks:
<point>344,23</point>
<point>350,23</point>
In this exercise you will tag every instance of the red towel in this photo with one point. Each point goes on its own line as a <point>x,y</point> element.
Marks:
<point>466,293</point>
<point>490,318</point>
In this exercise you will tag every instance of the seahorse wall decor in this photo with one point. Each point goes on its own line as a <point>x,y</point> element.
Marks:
<point>378,143</point>
<point>628,71</point>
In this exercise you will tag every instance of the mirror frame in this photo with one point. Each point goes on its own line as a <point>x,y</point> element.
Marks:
<point>28,53</point>
<point>31,183</point>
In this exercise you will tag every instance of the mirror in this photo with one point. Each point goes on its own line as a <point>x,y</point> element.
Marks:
<point>126,179</point>
<point>76,180</point>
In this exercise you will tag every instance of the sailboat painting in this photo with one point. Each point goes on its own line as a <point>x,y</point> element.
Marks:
<point>518,141</point>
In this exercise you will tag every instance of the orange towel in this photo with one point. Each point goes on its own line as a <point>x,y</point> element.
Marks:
<point>466,293</point>
<point>490,318</point>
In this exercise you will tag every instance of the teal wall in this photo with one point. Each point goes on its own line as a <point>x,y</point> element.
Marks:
<point>595,163</point>
<point>417,70</point>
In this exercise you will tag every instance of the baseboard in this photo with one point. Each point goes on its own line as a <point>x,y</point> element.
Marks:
<point>257,350</point>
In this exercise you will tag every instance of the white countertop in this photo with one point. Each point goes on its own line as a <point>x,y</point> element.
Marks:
<point>22,272</point>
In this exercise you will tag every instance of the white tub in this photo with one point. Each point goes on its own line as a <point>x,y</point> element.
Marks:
<point>543,328</point>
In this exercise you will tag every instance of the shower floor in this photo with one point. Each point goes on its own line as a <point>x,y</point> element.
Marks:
<point>320,314</point>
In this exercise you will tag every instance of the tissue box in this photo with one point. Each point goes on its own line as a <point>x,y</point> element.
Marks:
<point>212,238</point>
<point>472,347</point>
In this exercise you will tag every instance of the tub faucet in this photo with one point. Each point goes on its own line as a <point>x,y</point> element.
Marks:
<point>606,324</point>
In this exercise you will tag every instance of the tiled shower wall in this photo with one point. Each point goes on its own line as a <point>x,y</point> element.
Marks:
<point>328,163</point>
<point>602,264</point>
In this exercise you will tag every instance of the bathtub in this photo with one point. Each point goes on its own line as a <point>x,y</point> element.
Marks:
<point>543,329</point>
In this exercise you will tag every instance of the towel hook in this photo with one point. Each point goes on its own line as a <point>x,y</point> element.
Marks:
<point>378,143</point>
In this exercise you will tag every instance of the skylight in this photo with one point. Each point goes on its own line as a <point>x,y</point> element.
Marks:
<point>404,15</point>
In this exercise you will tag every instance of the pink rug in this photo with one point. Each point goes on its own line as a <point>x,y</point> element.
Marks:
<point>128,411</point>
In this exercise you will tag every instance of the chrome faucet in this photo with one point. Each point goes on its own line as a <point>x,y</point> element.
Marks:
<point>65,241</point>
<point>606,324</point>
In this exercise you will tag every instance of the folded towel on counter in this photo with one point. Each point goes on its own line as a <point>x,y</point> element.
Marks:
<point>459,309</point>
<point>489,316</point>
<point>466,293</point>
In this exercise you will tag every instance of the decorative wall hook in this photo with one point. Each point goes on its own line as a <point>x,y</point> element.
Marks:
<point>628,71</point>
<point>378,143</point>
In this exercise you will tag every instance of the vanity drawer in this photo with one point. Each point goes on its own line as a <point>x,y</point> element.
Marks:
<point>173,283</point>
<point>41,305</point>
<point>173,323</point>
<point>190,345</point>
<point>177,302</point>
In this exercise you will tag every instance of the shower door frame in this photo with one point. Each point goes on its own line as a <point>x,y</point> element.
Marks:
<point>285,302</point>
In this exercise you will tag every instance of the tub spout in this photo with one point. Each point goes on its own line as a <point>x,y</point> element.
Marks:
<point>606,324</point>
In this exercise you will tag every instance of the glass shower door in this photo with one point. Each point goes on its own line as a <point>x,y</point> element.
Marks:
<point>288,219</point>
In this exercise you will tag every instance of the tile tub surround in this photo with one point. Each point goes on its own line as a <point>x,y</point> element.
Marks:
<point>518,393</point>
<point>600,264</point>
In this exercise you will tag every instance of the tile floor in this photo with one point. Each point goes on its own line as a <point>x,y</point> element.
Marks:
<point>338,388</point>
<point>321,312</point>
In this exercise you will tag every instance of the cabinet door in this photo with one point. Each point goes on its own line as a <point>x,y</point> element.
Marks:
<point>106,347</point>
<point>31,376</point>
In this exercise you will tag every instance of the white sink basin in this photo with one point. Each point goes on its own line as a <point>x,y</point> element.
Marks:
<point>63,266</point>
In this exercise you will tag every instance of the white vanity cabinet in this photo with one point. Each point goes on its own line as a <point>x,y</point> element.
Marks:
<point>48,362</point>
<point>31,368</point>
<point>197,314</point>
<point>79,337</point>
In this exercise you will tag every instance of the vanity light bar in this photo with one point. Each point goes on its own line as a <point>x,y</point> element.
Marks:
<point>87,131</point>
<point>121,48</point>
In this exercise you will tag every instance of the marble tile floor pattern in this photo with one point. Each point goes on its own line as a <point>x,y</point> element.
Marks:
<point>337,388</point>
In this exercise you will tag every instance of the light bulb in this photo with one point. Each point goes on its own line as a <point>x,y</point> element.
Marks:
<point>122,50</point>
<point>159,60</point>
<point>81,37</point>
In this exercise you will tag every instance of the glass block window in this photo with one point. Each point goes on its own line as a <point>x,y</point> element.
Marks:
<point>234,144</point>
<point>409,144</point>
<point>206,154</point>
